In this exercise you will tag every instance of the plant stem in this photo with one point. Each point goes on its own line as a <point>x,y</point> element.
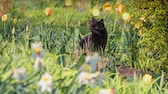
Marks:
<point>114,24</point>
<point>13,43</point>
<point>4,25</point>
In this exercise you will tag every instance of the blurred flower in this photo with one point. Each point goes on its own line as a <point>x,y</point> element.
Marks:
<point>4,18</point>
<point>140,32</point>
<point>126,16</point>
<point>88,78</point>
<point>138,24</point>
<point>68,3</point>
<point>82,78</point>
<point>119,1</point>
<point>147,78</point>
<point>94,75</point>
<point>13,30</point>
<point>119,8</point>
<point>39,63</point>
<point>106,91</point>
<point>142,19</point>
<point>14,20</point>
<point>93,61</point>
<point>86,67</point>
<point>95,12</point>
<point>48,11</point>
<point>107,7</point>
<point>88,57</point>
<point>19,74</point>
<point>37,49</point>
<point>45,83</point>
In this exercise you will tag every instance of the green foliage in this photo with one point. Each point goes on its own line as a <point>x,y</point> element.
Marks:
<point>64,60</point>
<point>153,33</point>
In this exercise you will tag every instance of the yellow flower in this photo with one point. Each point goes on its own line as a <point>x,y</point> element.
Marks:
<point>14,20</point>
<point>95,12</point>
<point>68,3</point>
<point>119,8</point>
<point>140,32</point>
<point>4,18</point>
<point>147,78</point>
<point>126,17</point>
<point>48,11</point>
<point>138,25</point>
<point>86,67</point>
<point>107,7</point>
<point>119,1</point>
<point>37,50</point>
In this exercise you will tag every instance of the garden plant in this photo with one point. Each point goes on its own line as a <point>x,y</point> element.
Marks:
<point>40,51</point>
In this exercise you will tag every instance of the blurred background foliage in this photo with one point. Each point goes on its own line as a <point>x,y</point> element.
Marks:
<point>153,15</point>
<point>143,39</point>
<point>140,42</point>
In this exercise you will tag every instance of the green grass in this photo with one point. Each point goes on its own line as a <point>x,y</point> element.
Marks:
<point>60,34</point>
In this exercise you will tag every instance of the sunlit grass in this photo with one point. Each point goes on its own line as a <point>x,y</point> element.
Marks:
<point>63,59</point>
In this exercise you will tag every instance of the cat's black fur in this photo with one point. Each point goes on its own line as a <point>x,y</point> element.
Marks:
<point>98,37</point>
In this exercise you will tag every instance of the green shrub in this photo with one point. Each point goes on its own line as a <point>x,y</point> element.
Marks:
<point>152,15</point>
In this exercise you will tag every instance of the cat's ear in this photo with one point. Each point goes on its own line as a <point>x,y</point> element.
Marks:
<point>102,21</point>
<point>93,19</point>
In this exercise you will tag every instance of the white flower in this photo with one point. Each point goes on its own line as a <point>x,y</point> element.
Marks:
<point>19,74</point>
<point>93,61</point>
<point>142,19</point>
<point>94,79</point>
<point>94,75</point>
<point>45,83</point>
<point>92,82</point>
<point>82,78</point>
<point>88,78</point>
<point>106,91</point>
<point>96,12</point>
<point>13,30</point>
<point>39,63</point>
<point>87,58</point>
<point>37,49</point>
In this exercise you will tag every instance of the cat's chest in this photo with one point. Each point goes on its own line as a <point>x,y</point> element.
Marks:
<point>98,40</point>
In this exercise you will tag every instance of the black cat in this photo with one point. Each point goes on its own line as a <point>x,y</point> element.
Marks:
<point>97,39</point>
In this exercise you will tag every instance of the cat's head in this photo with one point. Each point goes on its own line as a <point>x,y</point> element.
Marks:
<point>97,27</point>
